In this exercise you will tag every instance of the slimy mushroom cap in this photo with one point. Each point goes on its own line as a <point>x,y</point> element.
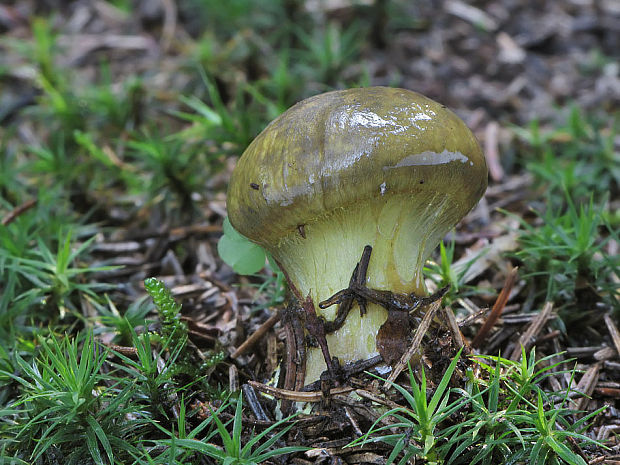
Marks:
<point>334,150</point>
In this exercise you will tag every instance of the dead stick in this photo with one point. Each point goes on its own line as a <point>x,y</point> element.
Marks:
<point>587,383</point>
<point>291,349</point>
<point>527,339</point>
<point>256,335</point>
<point>500,303</point>
<point>459,340</point>
<point>295,356</point>
<point>297,396</point>
<point>18,211</point>
<point>255,405</point>
<point>613,332</point>
<point>375,398</point>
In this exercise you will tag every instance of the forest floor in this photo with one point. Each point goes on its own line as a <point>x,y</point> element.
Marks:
<point>120,123</point>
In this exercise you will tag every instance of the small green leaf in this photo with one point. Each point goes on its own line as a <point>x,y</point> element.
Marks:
<point>237,251</point>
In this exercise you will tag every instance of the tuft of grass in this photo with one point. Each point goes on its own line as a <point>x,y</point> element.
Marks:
<point>505,418</point>
<point>444,273</point>
<point>64,405</point>
<point>577,157</point>
<point>40,278</point>
<point>152,377</point>
<point>420,420</point>
<point>563,254</point>
<point>326,52</point>
<point>235,448</point>
<point>73,400</point>
<point>122,324</point>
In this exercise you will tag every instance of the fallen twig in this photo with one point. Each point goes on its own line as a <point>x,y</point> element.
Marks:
<point>12,216</point>
<point>613,332</point>
<point>256,335</point>
<point>500,303</point>
<point>297,396</point>
<point>527,338</point>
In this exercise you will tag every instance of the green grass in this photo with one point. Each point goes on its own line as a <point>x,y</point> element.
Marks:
<point>420,419</point>
<point>502,416</point>
<point>576,157</point>
<point>256,450</point>
<point>65,405</point>
<point>563,246</point>
<point>443,274</point>
<point>69,407</point>
<point>563,255</point>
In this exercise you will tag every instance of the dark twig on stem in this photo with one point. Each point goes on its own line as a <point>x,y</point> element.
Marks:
<point>358,278</point>
<point>316,329</point>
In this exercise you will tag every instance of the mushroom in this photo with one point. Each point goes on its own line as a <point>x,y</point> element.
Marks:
<point>339,171</point>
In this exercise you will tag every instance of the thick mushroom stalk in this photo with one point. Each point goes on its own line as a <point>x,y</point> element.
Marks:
<point>378,166</point>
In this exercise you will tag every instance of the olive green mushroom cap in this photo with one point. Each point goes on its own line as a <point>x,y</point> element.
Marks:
<point>340,149</point>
